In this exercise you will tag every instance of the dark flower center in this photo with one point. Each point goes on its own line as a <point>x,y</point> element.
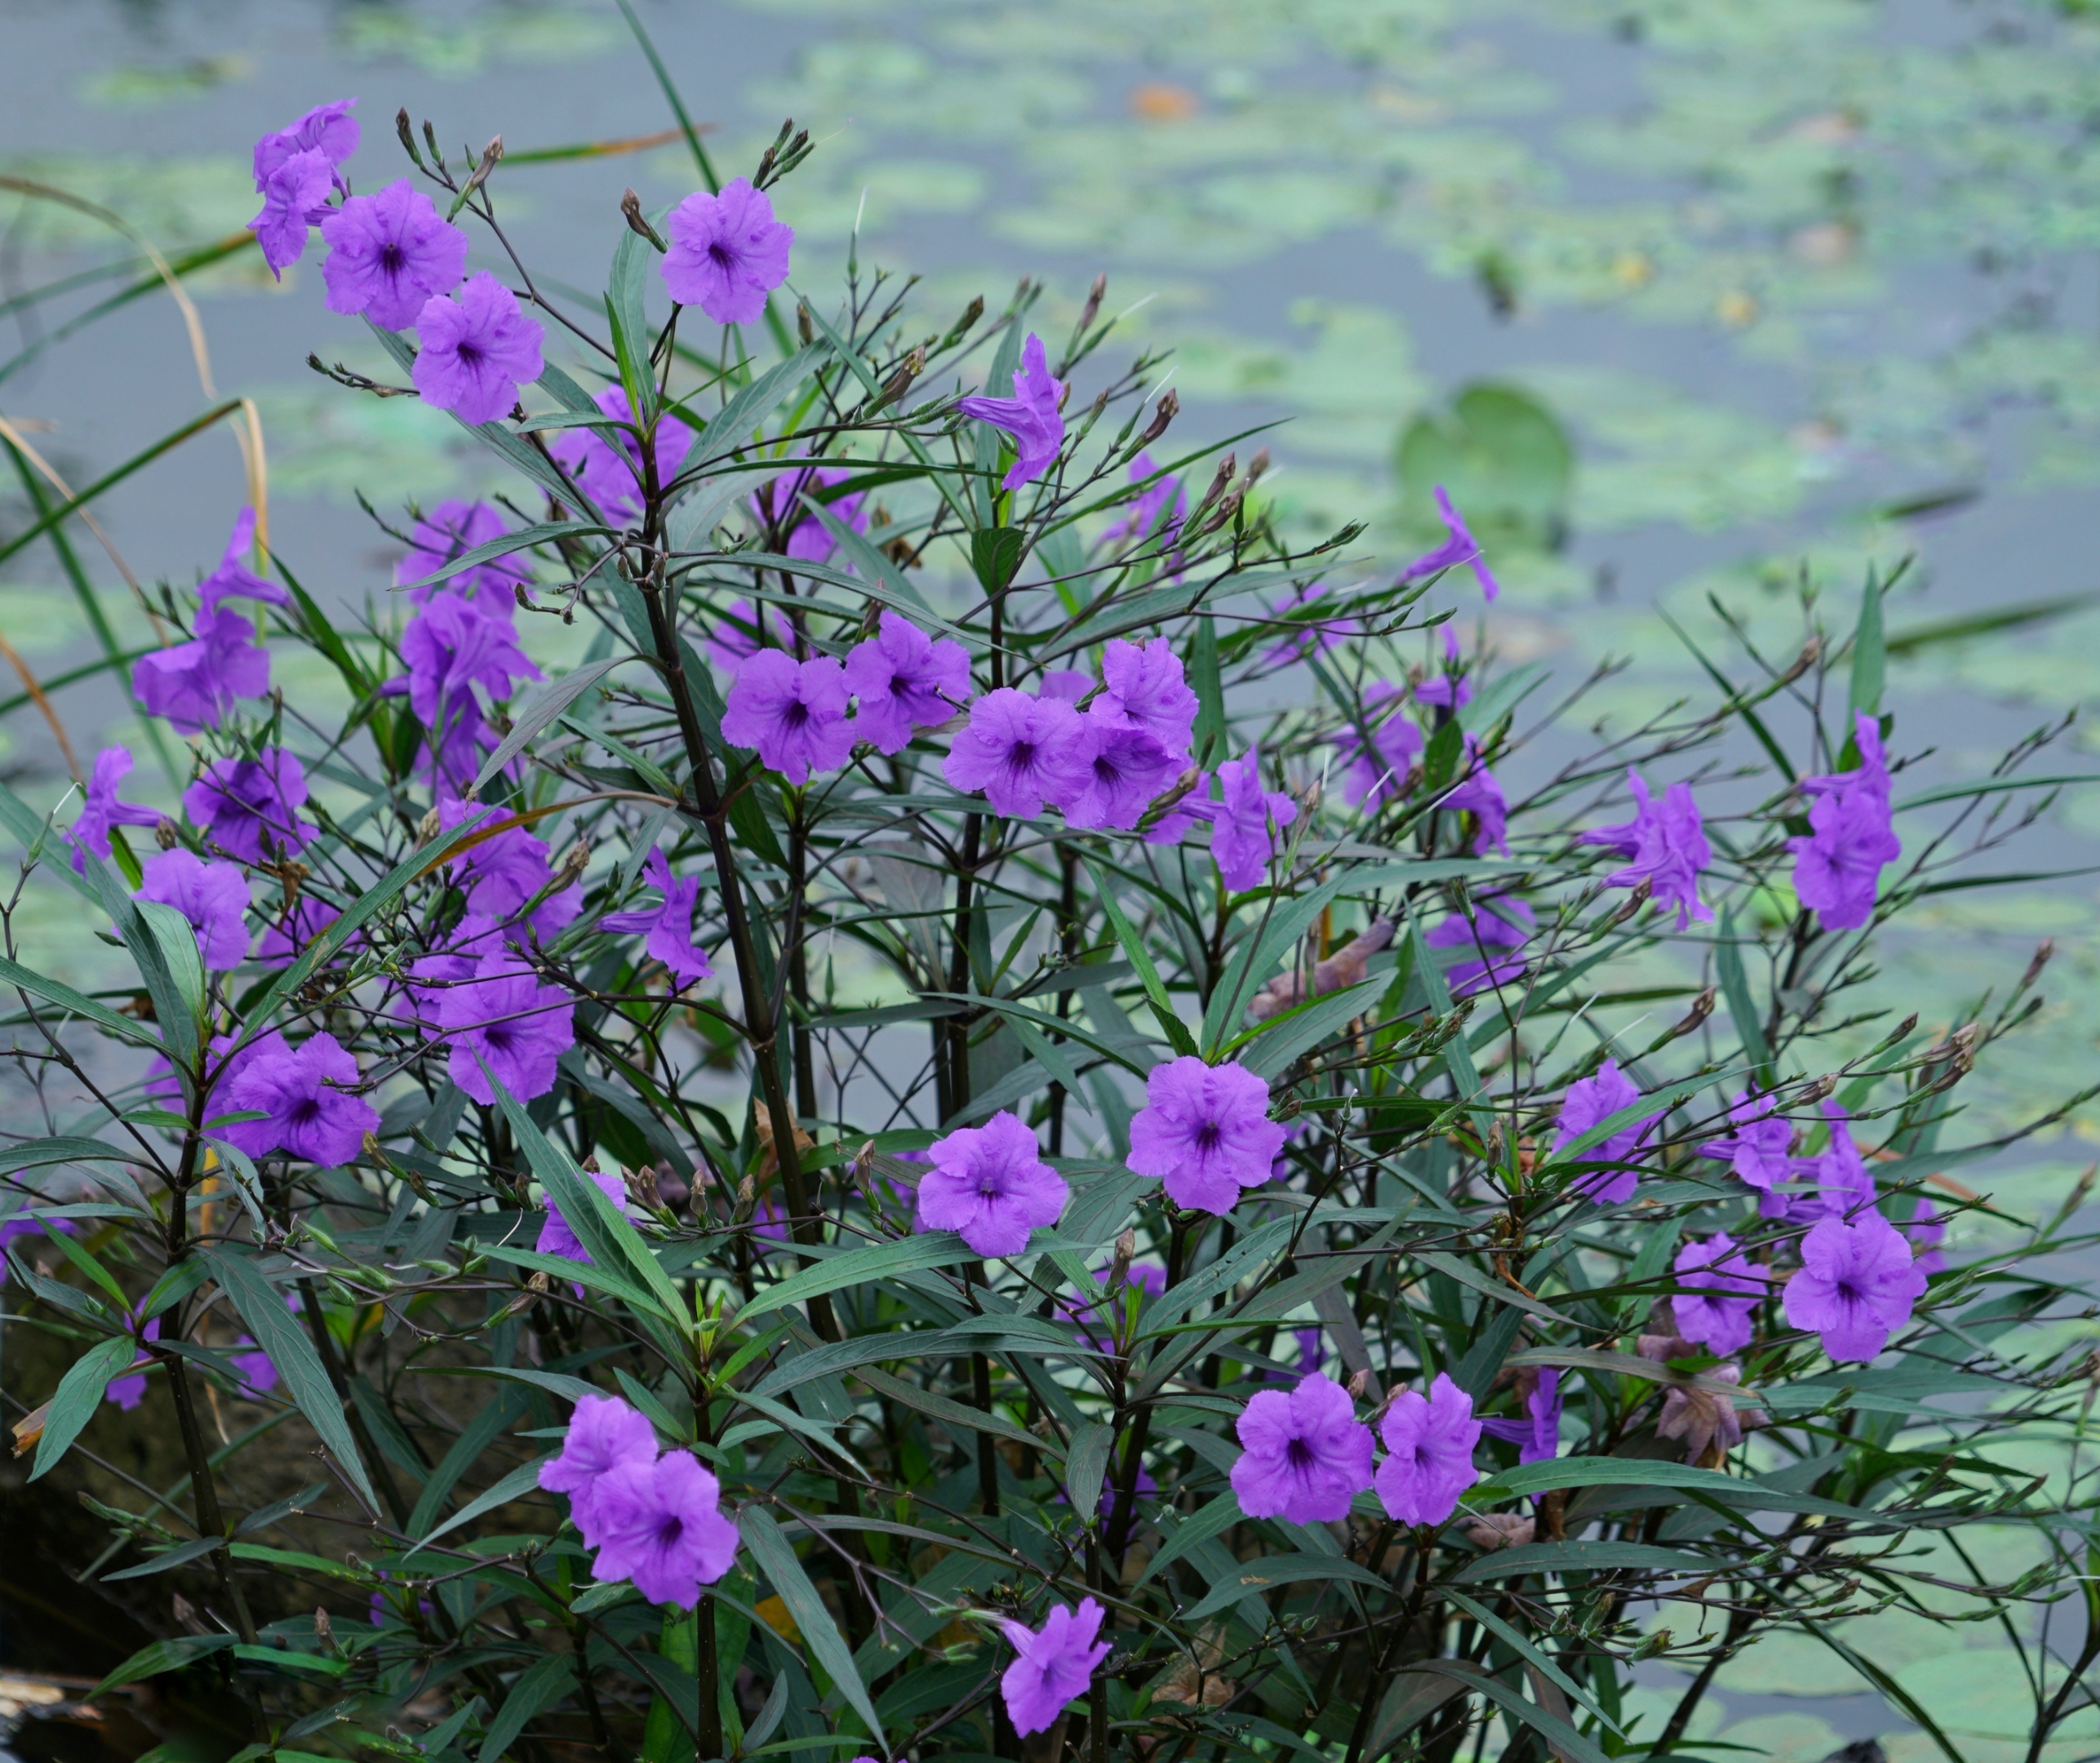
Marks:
<point>1021,755</point>
<point>669,1532</point>
<point>796,714</point>
<point>390,258</point>
<point>469,354</point>
<point>1209,1135</point>
<point>305,1112</point>
<point>722,256</point>
<point>1299,1454</point>
<point>499,1035</point>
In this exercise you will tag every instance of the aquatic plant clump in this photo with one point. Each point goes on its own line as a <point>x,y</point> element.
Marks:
<point>841,1139</point>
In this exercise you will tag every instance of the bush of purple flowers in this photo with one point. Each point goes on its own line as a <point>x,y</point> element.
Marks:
<point>1035,1119</point>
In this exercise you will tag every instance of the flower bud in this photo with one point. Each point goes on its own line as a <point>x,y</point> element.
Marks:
<point>1119,1266</point>
<point>323,1631</point>
<point>1701,1008</point>
<point>428,827</point>
<point>1092,309</point>
<point>1811,653</point>
<point>1163,413</point>
<point>1359,1383</point>
<point>2043,952</point>
<point>630,205</point>
<point>407,134</point>
<point>804,324</point>
<point>165,836</point>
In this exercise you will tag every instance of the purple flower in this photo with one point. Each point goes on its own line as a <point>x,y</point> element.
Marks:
<point>792,712</point>
<point>478,349</point>
<point>287,935</point>
<point>450,647</point>
<point>127,1392</point>
<point>231,575</point>
<point>1758,1151</point>
<point>1311,1355</point>
<point>22,1224</point>
<point>1537,1432</point>
<point>1245,828</point>
<point>1305,1454</point>
<point>1023,751</point>
<point>1588,1102</point>
<point>905,680</point>
<point>1068,685</point>
<point>1728,1287</point>
<point>668,929</point>
<point>660,1525</point>
<point>1147,689</point>
<point>1668,847</point>
<point>1052,1665</point>
<point>503,1018</point>
<point>735,640</point>
<point>256,1369</point>
<point>1460,548</point>
<point>193,684</point>
<point>604,1433</point>
<point>787,502</point>
<point>1928,1231</point>
<point>990,1184</point>
<point>447,531</point>
<point>1856,1283</point>
<point>1142,514</point>
<point>388,255</point>
<point>500,875</point>
<point>612,477</point>
<point>1308,638</point>
<point>1031,416</point>
<point>329,129</point>
<point>1843,1186</point>
<point>727,252</point>
<point>101,810</point>
<point>1205,1130</point>
<point>1173,826</point>
<point>1430,1442</point>
<point>1478,794</point>
<point>250,807</point>
<point>556,1235</point>
<point>1837,867</point>
<point>1129,768</point>
<point>294,196</point>
<point>1146,1277</point>
<point>301,1094</point>
<point>1500,922</point>
<point>212,896</point>
<point>1449,690</point>
<point>1376,773</point>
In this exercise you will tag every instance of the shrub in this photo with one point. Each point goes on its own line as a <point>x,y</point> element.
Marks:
<point>902,1083</point>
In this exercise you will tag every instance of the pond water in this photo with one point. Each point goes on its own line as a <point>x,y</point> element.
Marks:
<point>1808,285</point>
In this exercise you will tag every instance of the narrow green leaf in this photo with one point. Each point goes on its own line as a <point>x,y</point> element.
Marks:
<point>163,1656</point>
<point>262,1307</point>
<point>72,1405</point>
<point>524,539</point>
<point>776,1558</point>
<point>549,703</point>
<point>518,1483</point>
<point>859,1266</point>
<point>1134,947</point>
<point>1870,659</point>
<point>1266,1572</point>
<point>536,1690</point>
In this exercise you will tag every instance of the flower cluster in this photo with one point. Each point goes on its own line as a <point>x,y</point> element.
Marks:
<point>656,1520</point>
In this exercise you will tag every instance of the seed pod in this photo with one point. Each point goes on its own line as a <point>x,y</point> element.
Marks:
<point>1163,413</point>
<point>1092,309</point>
<point>630,205</point>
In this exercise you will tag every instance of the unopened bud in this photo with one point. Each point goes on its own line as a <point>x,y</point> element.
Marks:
<point>1119,1265</point>
<point>2042,954</point>
<point>574,861</point>
<point>1637,899</point>
<point>1359,1383</point>
<point>642,1188</point>
<point>970,314</point>
<point>402,128</point>
<point>1811,653</point>
<point>428,827</point>
<point>805,327</point>
<point>1701,1008</point>
<point>1822,1087</point>
<point>630,205</point>
<point>1164,412</point>
<point>747,1197</point>
<point>900,382</point>
<point>324,1632</point>
<point>1092,309</point>
<point>1256,466</point>
<point>165,836</point>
